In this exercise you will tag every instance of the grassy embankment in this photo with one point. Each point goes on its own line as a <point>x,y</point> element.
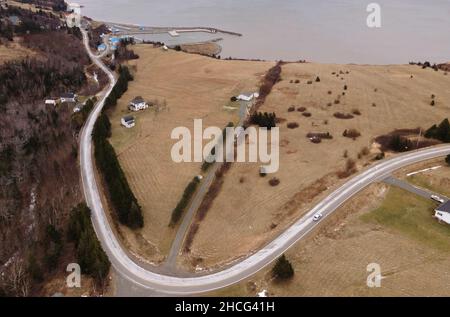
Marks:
<point>412,216</point>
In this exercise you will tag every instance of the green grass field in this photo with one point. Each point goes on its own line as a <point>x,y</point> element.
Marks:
<point>412,216</point>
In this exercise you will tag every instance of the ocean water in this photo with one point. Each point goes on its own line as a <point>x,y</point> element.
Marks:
<point>329,31</point>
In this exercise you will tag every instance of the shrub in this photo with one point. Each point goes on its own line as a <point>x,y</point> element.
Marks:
<point>317,79</point>
<point>356,112</point>
<point>292,125</point>
<point>282,269</point>
<point>309,82</point>
<point>349,169</point>
<point>337,101</point>
<point>291,109</point>
<point>374,104</point>
<point>297,81</point>
<point>329,104</point>
<point>341,115</point>
<point>274,181</point>
<point>233,99</point>
<point>345,87</point>
<point>319,135</point>
<point>365,151</point>
<point>330,92</point>
<point>432,102</point>
<point>447,159</point>
<point>301,109</point>
<point>380,156</point>
<point>351,133</point>
<point>306,114</point>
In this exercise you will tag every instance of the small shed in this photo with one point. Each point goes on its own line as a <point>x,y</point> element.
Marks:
<point>128,122</point>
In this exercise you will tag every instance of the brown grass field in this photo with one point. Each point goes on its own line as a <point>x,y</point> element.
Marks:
<point>332,261</point>
<point>249,212</point>
<point>205,48</point>
<point>437,180</point>
<point>187,87</point>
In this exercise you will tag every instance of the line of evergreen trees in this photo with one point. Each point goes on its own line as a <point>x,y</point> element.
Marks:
<point>267,120</point>
<point>440,132</point>
<point>183,203</point>
<point>119,88</point>
<point>124,202</point>
<point>90,255</point>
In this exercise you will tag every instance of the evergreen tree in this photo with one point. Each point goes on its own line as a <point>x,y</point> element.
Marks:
<point>283,269</point>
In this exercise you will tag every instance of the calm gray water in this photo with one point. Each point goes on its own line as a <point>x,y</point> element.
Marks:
<point>331,31</point>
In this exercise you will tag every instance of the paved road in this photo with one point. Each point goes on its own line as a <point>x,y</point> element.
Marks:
<point>177,244</point>
<point>175,249</point>
<point>411,188</point>
<point>153,282</point>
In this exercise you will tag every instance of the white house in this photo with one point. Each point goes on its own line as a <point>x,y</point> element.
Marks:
<point>51,102</point>
<point>128,122</point>
<point>69,97</point>
<point>443,212</point>
<point>247,97</point>
<point>137,104</point>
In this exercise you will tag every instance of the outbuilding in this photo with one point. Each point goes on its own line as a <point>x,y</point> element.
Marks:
<point>247,97</point>
<point>68,97</point>
<point>128,122</point>
<point>52,101</point>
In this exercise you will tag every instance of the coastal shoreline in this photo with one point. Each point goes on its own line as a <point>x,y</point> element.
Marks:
<point>141,29</point>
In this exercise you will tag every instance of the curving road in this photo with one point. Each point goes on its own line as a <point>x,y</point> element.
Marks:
<point>171,285</point>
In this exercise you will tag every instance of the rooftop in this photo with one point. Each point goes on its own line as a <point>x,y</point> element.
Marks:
<point>445,207</point>
<point>128,118</point>
<point>68,95</point>
<point>137,99</point>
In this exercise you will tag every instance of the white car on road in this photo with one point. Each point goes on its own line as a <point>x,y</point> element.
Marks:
<point>317,217</point>
<point>437,198</point>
